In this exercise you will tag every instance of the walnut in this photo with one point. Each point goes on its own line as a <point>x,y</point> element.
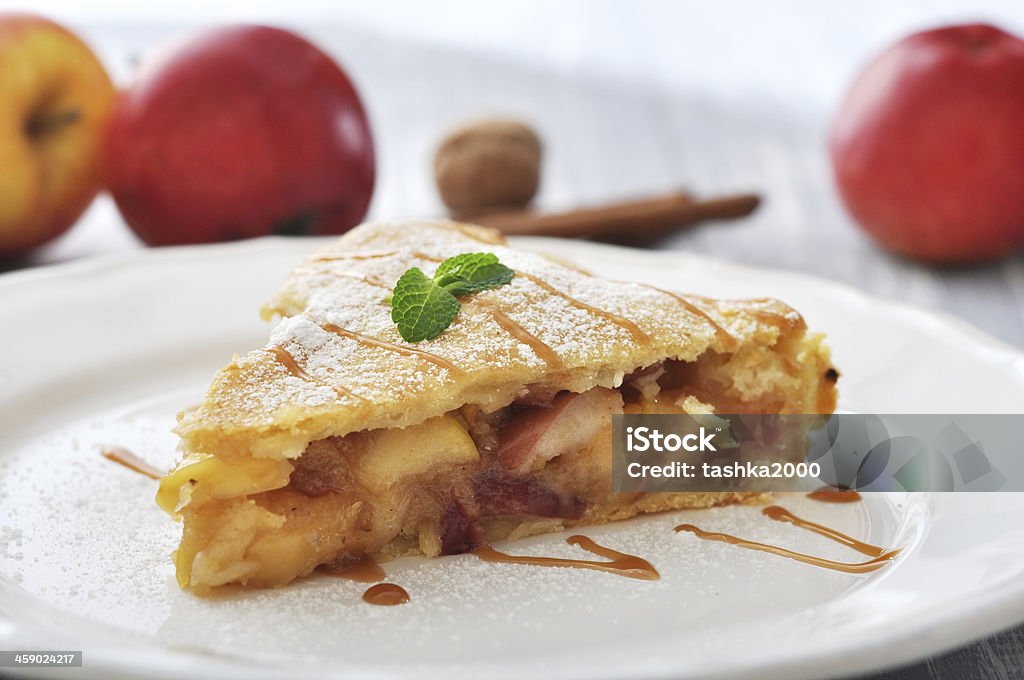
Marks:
<point>488,166</point>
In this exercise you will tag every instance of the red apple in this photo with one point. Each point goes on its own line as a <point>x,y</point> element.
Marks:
<point>241,131</point>
<point>928,147</point>
<point>54,100</point>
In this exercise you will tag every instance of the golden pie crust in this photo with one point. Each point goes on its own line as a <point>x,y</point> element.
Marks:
<point>338,439</point>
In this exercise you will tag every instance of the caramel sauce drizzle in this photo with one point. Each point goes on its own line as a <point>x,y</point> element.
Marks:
<point>543,350</point>
<point>780,514</point>
<point>830,495</point>
<point>770,318</point>
<point>374,342</point>
<point>776,319</point>
<point>638,335</point>
<point>285,358</point>
<point>123,456</point>
<point>467,231</point>
<point>366,255</point>
<point>540,348</point>
<point>386,595</point>
<point>622,564</point>
<point>728,338</point>
<point>384,344</point>
<point>344,274</point>
<point>720,330</point>
<point>366,570</point>
<point>881,556</point>
<point>423,256</point>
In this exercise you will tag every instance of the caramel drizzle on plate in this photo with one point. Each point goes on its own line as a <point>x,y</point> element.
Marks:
<point>781,514</point>
<point>386,595</point>
<point>390,346</point>
<point>620,563</point>
<point>366,570</point>
<point>880,556</point>
<point>285,358</point>
<point>830,495</point>
<point>123,456</point>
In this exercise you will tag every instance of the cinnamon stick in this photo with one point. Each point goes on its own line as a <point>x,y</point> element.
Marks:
<point>637,220</point>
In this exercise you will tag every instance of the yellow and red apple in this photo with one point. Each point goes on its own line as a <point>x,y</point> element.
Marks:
<point>240,131</point>
<point>54,100</point>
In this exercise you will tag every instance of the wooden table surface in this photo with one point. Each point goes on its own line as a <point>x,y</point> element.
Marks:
<point>635,99</point>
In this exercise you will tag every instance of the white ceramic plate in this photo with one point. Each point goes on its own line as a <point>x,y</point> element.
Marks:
<point>106,351</point>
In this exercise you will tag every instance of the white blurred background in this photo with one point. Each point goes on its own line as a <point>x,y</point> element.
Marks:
<point>631,98</point>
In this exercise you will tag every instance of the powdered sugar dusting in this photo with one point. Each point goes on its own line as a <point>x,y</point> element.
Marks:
<point>83,539</point>
<point>598,328</point>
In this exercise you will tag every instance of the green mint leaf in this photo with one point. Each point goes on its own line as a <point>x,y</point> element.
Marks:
<point>423,307</point>
<point>471,273</point>
<point>420,308</point>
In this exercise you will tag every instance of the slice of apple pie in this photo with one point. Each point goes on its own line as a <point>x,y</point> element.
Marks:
<point>339,440</point>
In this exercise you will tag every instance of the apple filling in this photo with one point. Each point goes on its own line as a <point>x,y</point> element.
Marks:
<point>457,481</point>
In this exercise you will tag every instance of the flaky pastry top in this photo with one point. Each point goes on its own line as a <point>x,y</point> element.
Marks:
<point>336,363</point>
